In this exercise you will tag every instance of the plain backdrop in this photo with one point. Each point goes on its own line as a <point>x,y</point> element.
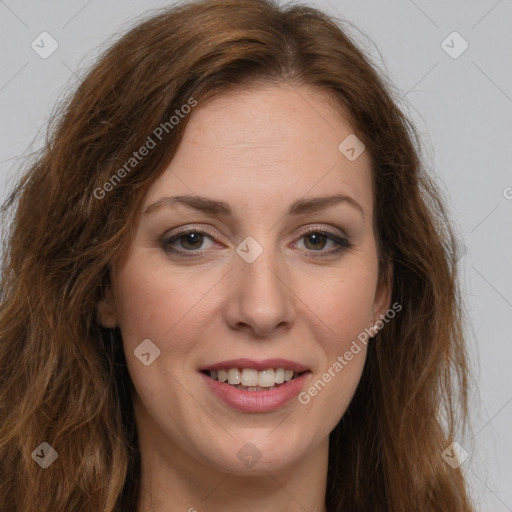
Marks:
<point>461,102</point>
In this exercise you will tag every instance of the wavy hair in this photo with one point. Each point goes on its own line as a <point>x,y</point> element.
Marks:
<point>63,378</point>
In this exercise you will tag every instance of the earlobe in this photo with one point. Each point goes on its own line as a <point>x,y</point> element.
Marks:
<point>383,296</point>
<point>105,310</point>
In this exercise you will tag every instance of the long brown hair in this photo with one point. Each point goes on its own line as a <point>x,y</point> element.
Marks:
<point>63,378</point>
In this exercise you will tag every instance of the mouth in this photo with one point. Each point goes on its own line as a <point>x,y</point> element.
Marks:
<point>255,386</point>
<point>251,379</point>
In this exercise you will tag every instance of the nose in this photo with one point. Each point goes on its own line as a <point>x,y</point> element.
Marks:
<point>259,297</point>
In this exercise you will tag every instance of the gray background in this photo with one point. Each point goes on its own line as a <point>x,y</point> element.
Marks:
<point>462,107</point>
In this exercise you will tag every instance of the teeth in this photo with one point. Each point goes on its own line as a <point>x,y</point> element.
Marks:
<point>255,388</point>
<point>234,376</point>
<point>250,379</point>
<point>266,378</point>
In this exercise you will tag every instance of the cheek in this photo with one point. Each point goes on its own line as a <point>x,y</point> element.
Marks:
<point>155,304</point>
<point>341,309</point>
<point>342,305</point>
<point>343,312</point>
<point>330,393</point>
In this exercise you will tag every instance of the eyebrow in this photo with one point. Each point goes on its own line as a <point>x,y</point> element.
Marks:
<point>220,208</point>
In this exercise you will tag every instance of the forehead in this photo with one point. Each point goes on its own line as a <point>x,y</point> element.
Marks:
<point>264,147</point>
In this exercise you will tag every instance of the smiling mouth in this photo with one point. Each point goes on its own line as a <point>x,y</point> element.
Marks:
<point>250,379</point>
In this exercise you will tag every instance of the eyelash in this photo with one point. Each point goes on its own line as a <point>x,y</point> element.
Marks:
<point>342,243</point>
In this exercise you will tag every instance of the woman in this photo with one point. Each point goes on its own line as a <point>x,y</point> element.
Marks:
<point>229,283</point>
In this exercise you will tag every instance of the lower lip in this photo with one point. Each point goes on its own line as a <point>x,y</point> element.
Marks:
<point>256,401</point>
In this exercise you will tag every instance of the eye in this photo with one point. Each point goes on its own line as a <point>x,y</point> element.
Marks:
<point>190,240</point>
<point>316,240</point>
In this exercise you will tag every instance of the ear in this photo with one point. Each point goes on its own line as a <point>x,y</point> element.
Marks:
<point>105,310</point>
<point>383,294</point>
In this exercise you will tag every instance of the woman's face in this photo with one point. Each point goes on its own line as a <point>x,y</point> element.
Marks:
<point>258,285</point>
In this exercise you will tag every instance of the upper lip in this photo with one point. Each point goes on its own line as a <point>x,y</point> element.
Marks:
<point>260,365</point>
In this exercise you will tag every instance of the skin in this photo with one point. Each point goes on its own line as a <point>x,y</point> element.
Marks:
<point>259,150</point>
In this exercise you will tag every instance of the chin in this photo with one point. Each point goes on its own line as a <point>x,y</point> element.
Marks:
<point>259,451</point>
